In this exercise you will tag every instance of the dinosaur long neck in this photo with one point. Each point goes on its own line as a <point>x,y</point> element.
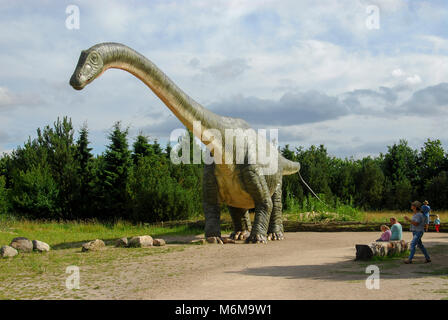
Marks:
<point>187,110</point>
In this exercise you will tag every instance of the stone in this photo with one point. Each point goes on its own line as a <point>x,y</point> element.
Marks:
<point>199,241</point>
<point>40,246</point>
<point>22,244</point>
<point>122,242</point>
<point>141,242</point>
<point>7,251</point>
<point>94,245</point>
<point>159,242</point>
<point>214,240</point>
<point>228,240</point>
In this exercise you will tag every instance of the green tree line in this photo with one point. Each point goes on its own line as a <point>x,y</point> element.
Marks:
<point>55,176</point>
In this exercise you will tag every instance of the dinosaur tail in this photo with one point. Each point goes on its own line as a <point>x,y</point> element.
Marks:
<point>289,167</point>
<point>309,188</point>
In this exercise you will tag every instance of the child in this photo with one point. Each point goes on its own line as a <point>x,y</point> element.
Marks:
<point>426,210</point>
<point>385,236</point>
<point>437,223</point>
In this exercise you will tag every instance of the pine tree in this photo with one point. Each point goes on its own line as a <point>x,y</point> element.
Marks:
<point>84,158</point>
<point>141,148</point>
<point>114,174</point>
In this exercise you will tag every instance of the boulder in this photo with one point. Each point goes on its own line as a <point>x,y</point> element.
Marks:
<point>214,240</point>
<point>94,245</point>
<point>228,240</point>
<point>22,244</point>
<point>199,241</point>
<point>141,242</point>
<point>122,242</point>
<point>7,251</point>
<point>159,242</point>
<point>40,246</point>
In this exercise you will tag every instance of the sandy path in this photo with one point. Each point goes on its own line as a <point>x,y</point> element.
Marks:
<point>306,265</point>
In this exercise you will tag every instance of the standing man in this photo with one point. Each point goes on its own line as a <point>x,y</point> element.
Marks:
<point>396,229</point>
<point>418,222</point>
<point>426,210</point>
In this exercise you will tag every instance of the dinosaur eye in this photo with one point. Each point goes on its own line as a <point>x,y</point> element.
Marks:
<point>94,58</point>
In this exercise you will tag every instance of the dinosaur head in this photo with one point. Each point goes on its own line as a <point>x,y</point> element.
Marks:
<point>90,66</point>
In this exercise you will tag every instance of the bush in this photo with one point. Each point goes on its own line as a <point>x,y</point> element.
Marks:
<point>35,193</point>
<point>156,196</point>
<point>4,204</point>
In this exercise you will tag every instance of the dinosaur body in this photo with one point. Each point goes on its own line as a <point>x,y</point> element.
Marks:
<point>241,185</point>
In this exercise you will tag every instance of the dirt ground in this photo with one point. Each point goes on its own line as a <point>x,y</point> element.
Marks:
<point>306,265</point>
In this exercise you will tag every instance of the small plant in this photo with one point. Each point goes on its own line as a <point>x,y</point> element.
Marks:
<point>327,210</point>
<point>394,256</point>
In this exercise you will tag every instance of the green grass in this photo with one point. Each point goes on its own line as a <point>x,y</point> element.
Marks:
<point>390,258</point>
<point>437,272</point>
<point>37,275</point>
<point>383,216</point>
<point>40,275</point>
<point>64,234</point>
<point>313,210</point>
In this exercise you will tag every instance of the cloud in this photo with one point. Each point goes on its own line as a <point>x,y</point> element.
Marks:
<point>9,98</point>
<point>415,79</point>
<point>430,101</point>
<point>291,108</point>
<point>228,69</point>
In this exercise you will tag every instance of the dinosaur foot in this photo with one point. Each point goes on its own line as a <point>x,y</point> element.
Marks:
<point>214,240</point>
<point>276,236</point>
<point>239,235</point>
<point>256,238</point>
<point>219,240</point>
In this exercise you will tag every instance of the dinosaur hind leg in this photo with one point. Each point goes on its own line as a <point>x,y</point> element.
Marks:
<point>275,230</point>
<point>241,223</point>
<point>256,186</point>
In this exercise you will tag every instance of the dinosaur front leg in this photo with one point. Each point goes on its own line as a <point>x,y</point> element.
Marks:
<point>275,230</point>
<point>241,223</point>
<point>256,186</point>
<point>210,203</point>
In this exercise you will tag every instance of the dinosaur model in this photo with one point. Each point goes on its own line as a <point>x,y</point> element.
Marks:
<point>241,185</point>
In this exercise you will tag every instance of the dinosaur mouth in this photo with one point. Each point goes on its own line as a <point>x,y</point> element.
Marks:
<point>76,84</point>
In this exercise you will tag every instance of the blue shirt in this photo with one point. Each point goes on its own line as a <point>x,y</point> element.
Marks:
<point>421,220</point>
<point>396,230</point>
<point>426,209</point>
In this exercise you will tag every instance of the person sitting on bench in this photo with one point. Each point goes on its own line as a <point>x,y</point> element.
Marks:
<point>386,233</point>
<point>395,229</point>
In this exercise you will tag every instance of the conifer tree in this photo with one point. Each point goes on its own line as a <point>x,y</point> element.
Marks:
<point>115,173</point>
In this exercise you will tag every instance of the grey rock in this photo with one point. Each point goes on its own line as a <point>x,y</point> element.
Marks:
<point>122,242</point>
<point>22,244</point>
<point>199,241</point>
<point>94,245</point>
<point>228,240</point>
<point>7,251</point>
<point>141,242</point>
<point>159,242</point>
<point>40,246</point>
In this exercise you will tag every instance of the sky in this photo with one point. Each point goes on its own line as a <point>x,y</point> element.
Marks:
<point>337,73</point>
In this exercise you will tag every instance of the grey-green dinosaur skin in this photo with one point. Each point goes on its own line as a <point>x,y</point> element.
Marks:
<point>240,186</point>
